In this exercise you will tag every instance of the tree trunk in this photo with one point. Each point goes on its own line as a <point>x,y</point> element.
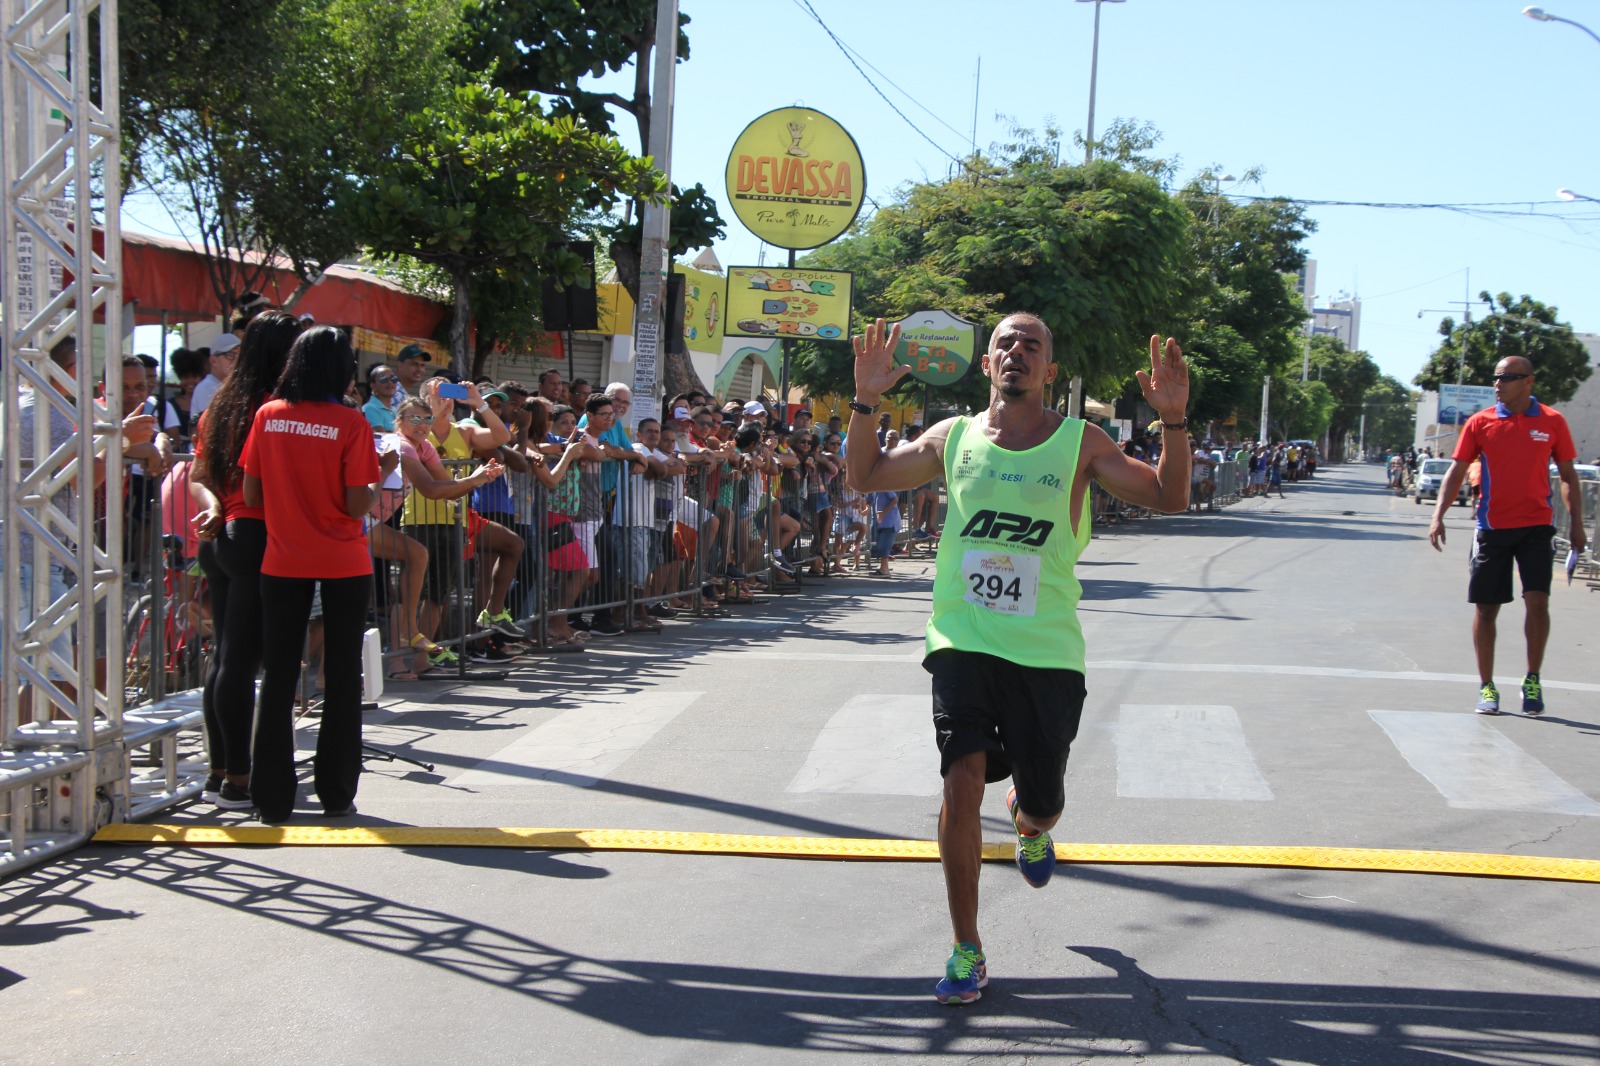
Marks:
<point>678,375</point>
<point>460,320</point>
<point>626,259</point>
<point>482,347</point>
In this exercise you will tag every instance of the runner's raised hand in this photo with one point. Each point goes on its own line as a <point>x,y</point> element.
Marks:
<point>1166,387</point>
<point>876,370</point>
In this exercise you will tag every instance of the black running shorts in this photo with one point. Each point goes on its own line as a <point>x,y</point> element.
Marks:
<point>1024,717</point>
<point>1533,550</point>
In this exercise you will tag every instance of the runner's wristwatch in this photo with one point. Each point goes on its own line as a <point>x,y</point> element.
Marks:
<point>1184,424</point>
<point>861,408</point>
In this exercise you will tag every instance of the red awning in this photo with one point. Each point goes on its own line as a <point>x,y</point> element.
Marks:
<point>164,274</point>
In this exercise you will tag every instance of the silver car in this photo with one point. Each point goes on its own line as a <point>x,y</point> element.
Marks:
<point>1430,478</point>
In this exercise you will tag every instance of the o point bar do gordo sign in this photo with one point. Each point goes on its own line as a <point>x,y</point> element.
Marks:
<point>795,178</point>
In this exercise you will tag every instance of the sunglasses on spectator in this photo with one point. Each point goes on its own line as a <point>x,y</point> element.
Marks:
<point>419,420</point>
<point>704,425</point>
<point>384,379</point>
<point>1510,377</point>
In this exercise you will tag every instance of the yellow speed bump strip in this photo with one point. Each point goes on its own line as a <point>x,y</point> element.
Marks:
<point>1458,863</point>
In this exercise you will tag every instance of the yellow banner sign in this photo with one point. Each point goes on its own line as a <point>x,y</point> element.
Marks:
<point>795,178</point>
<point>779,302</point>
<point>704,297</point>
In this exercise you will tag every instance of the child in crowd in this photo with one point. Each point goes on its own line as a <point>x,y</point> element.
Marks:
<point>885,524</point>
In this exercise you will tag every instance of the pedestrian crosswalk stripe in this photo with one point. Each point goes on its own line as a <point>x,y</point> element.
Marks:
<point>1170,751</point>
<point>1476,767</point>
<point>582,745</point>
<point>875,744</point>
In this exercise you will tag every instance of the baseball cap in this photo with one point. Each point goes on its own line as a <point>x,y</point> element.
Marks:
<point>680,414</point>
<point>414,351</point>
<point>496,392</point>
<point>224,344</point>
<point>753,409</point>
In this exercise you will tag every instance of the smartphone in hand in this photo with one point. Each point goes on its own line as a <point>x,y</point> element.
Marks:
<point>452,391</point>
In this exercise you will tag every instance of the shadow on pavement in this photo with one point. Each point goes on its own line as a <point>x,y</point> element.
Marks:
<point>848,1012</point>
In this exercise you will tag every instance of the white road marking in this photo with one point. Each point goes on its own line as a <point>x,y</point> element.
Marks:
<point>1476,767</point>
<point>1326,671</point>
<point>582,745</point>
<point>1170,751</point>
<point>1177,668</point>
<point>875,744</point>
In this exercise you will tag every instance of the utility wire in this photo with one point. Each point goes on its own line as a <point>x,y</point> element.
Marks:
<point>805,5</point>
<point>1480,208</point>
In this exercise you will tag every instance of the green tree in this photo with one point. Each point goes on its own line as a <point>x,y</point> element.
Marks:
<point>1225,373</point>
<point>1348,376</point>
<point>489,182</point>
<point>1300,410</point>
<point>250,122</point>
<point>1521,327</point>
<point>551,47</point>
<point>1391,415</point>
<point>1094,250</point>
<point>1239,271</point>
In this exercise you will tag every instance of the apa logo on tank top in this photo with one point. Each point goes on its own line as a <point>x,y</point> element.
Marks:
<point>1013,528</point>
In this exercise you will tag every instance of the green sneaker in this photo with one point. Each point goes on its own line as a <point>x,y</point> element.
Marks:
<point>1036,854</point>
<point>443,657</point>
<point>1489,699</point>
<point>501,623</point>
<point>964,974</point>
<point>1532,695</point>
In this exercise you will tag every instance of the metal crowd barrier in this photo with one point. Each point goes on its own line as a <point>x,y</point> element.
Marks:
<point>1590,518</point>
<point>710,540</point>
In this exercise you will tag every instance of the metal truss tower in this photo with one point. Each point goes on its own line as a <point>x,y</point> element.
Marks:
<point>63,742</point>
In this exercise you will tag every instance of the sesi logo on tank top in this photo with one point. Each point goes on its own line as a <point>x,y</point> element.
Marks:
<point>1013,528</point>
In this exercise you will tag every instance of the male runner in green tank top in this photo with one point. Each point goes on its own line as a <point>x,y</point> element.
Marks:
<point>1004,645</point>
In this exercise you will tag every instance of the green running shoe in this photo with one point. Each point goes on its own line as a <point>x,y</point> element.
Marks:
<point>1036,855</point>
<point>964,974</point>
<point>1489,699</point>
<point>1532,695</point>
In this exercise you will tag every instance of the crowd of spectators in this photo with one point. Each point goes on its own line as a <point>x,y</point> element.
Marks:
<point>284,502</point>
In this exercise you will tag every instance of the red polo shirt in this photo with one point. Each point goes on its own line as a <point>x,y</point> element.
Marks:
<point>305,455</point>
<point>1517,451</point>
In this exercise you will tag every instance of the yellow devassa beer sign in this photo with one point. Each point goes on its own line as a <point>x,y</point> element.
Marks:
<point>795,178</point>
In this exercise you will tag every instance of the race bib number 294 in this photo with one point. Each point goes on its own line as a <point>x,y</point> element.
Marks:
<point>1002,582</point>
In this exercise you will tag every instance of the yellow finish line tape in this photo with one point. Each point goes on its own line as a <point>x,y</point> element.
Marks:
<point>1456,863</point>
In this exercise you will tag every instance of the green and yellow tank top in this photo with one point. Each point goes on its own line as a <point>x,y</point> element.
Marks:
<point>1005,582</point>
<point>421,511</point>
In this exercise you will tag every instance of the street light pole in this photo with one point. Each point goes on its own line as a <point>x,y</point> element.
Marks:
<point>1568,194</point>
<point>1075,384</point>
<point>1094,70</point>
<point>1539,14</point>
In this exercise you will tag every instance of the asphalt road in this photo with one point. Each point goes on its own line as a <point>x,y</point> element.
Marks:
<point>1285,672</point>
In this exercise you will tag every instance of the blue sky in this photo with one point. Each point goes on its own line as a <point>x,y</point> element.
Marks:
<point>1413,101</point>
<point>1436,101</point>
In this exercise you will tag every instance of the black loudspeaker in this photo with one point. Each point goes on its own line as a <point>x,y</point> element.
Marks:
<point>573,307</point>
<point>1124,409</point>
<point>676,344</point>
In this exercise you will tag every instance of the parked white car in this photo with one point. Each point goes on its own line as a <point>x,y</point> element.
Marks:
<point>1430,477</point>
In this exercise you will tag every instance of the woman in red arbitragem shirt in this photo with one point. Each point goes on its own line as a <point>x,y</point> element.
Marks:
<point>310,464</point>
<point>233,539</point>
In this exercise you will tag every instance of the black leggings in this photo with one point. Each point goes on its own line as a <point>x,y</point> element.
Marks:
<point>232,564</point>
<point>286,610</point>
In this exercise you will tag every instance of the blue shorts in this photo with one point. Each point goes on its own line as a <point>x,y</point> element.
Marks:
<point>883,542</point>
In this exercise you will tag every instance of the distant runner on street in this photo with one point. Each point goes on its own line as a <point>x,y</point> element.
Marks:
<point>1516,440</point>
<point>1004,644</point>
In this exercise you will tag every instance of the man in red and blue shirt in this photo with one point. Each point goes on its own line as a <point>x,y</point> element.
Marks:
<point>1516,440</point>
